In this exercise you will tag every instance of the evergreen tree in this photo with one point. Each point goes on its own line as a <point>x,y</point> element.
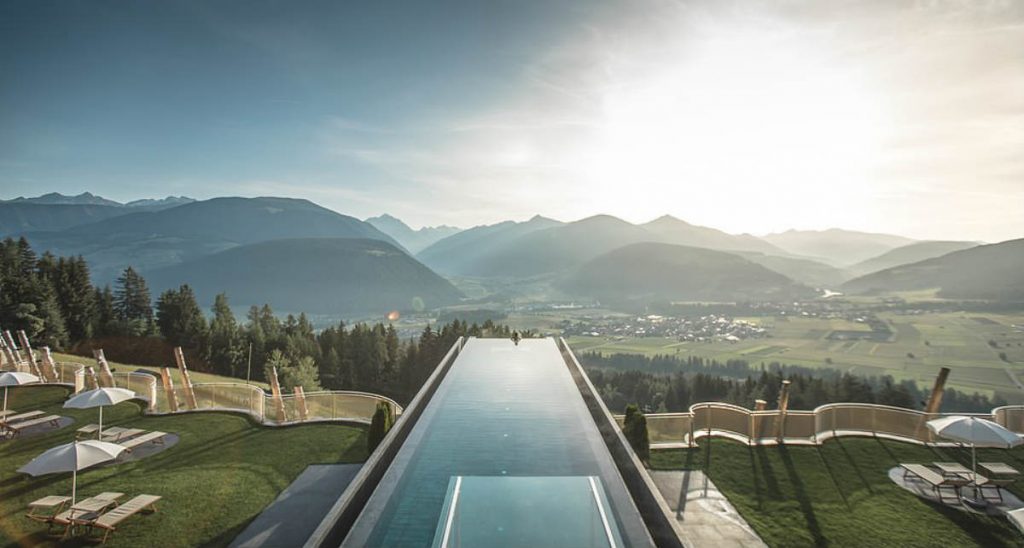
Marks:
<point>132,303</point>
<point>180,319</point>
<point>226,352</point>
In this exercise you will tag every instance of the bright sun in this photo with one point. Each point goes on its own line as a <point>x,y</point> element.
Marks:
<point>742,123</point>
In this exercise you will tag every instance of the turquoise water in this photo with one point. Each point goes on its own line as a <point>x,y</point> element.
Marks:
<point>503,412</point>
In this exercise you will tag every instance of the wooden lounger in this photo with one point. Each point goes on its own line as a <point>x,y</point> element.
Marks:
<point>67,517</point>
<point>155,437</point>
<point>22,417</point>
<point>122,434</point>
<point>110,520</point>
<point>17,428</point>
<point>935,478</point>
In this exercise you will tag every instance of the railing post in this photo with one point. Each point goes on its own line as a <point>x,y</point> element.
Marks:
<point>186,380</point>
<point>275,391</point>
<point>783,407</point>
<point>168,382</point>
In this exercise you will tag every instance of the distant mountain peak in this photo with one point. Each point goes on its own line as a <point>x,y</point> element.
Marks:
<point>56,198</point>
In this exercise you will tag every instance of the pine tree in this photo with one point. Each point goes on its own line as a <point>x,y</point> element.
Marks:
<point>132,302</point>
<point>226,353</point>
<point>180,319</point>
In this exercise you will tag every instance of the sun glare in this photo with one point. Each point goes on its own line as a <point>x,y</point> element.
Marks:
<point>742,122</point>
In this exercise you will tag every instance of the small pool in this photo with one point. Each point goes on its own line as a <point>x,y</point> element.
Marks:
<point>505,453</point>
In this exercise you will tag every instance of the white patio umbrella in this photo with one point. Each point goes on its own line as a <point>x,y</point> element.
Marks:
<point>99,397</point>
<point>72,457</point>
<point>15,378</point>
<point>976,431</point>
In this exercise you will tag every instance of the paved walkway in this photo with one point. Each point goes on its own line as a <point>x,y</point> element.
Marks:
<point>705,516</point>
<point>297,511</point>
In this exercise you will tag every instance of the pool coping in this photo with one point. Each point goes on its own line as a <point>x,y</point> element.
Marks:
<point>655,511</point>
<point>339,520</point>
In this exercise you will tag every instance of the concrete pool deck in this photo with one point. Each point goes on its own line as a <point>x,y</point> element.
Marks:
<point>296,512</point>
<point>704,514</point>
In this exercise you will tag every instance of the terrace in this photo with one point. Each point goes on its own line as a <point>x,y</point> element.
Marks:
<point>796,477</point>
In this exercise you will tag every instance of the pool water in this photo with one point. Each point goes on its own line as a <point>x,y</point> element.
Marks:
<point>508,428</point>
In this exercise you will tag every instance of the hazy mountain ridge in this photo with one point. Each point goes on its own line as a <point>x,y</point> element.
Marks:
<point>908,254</point>
<point>658,271</point>
<point>153,239</point>
<point>17,217</point>
<point>315,275</point>
<point>990,272</point>
<point>460,253</point>
<point>836,246</point>
<point>88,198</point>
<point>413,240</point>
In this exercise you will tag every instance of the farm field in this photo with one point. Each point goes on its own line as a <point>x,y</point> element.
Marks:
<point>971,344</point>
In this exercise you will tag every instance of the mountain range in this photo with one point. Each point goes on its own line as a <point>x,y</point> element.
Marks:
<point>988,272</point>
<point>217,244</point>
<point>316,275</point>
<point>413,240</point>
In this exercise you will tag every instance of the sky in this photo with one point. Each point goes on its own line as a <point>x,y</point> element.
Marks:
<point>887,116</point>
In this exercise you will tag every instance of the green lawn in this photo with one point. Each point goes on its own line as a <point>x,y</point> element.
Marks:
<point>838,494</point>
<point>196,376</point>
<point>220,475</point>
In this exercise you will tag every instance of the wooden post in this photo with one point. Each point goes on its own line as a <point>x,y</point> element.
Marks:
<point>168,382</point>
<point>275,391</point>
<point>186,380</point>
<point>106,376</point>
<point>760,405</point>
<point>90,378</point>
<point>33,367</point>
<point>935,401</point>
<point>49,367</point>
<point>15,353</point>
<point>783,407</point>
<point>300,403</point>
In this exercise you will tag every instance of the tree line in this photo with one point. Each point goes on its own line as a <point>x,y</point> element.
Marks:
<point>54,301</point>
<point>672,384</point>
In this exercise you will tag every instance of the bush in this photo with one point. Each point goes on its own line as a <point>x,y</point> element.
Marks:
<point>379,426</point>
<point>635,428</point>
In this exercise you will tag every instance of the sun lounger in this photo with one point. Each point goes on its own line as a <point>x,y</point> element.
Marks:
<point>52,505</point>
<point>22,417</point>
<point>121,434</point>
<point>84,507</point>
<point>18,427</point>
<point>155,437</point>
<point>87,430</point>
<point>111,519</point>
<point>935,478</point>
<point>1016,517</point>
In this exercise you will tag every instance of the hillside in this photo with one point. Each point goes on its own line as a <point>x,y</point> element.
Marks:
<point>413,240</point>
<point>907,254</point>
<point>836,246</point>
<point>153,239</point>
<point>675,231</point>
<point>18,216</point>
<point>463,253</point>
<point>657,271</point>
<point>315,275</point>
<point>806,271</point>
<point>991,272</point>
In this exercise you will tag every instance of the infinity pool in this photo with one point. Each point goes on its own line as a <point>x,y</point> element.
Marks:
<point>504,454</point>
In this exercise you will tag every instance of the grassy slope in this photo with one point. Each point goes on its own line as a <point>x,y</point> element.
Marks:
<point>839,494</point>
<point>196,376</point>
<point>221,474</point>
